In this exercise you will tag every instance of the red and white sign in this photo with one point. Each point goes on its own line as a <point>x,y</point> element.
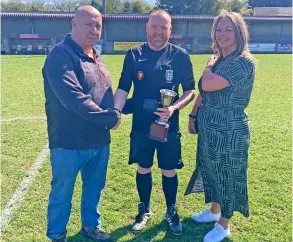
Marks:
<point>29,36</point>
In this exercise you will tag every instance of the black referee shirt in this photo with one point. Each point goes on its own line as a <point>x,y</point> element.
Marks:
<point>150,71</point>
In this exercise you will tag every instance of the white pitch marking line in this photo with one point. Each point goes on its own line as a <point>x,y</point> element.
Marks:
<point>23,118</point>
<point>18,195</point>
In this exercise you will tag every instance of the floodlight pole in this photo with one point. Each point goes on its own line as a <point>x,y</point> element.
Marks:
<point>105,26</point>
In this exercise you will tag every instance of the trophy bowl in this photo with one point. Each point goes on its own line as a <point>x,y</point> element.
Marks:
<point>167,97</point>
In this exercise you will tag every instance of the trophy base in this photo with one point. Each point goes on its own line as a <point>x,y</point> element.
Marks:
<point>159,131</point>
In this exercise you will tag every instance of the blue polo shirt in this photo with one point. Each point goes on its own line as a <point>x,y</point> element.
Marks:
<point>150,71</point>
<point>79,98</point>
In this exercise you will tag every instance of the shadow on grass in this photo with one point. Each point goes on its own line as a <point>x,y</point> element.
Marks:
<point>191,232</point>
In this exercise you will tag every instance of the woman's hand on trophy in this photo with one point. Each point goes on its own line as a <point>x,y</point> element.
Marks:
<point>165,113</point>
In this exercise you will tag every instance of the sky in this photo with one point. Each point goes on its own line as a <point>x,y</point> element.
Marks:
<point>151,2</point>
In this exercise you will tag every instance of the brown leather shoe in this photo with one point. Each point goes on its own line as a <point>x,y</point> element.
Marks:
<point>96,234</point>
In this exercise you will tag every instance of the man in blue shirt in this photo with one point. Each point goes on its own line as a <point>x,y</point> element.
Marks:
<point>153,66</point>
<point>79,109</point>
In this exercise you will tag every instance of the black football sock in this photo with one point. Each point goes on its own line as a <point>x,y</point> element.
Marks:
<point>144,188</point>
<point>170,187</point>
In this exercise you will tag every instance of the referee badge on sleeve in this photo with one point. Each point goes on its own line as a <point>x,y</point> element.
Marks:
<point>169,76</point>
<point>140,75</point>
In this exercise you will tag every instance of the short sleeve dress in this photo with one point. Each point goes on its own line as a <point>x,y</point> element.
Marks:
<point>224,137</point>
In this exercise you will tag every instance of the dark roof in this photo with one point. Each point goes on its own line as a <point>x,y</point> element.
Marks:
<point>193,17</point>
<point>36,15</point>
<point>131,16</point>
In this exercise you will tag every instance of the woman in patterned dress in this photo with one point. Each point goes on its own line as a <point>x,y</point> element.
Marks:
<point>224,134</point>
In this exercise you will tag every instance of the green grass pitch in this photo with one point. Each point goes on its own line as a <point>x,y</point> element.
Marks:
<point>270,164</point>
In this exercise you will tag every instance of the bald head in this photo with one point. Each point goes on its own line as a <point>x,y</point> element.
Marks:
<point>86,10</point>
<point>160,14</point>
<point>158,29</point>
<point>86,27</point>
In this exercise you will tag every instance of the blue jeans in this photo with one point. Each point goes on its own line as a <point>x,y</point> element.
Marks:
<point>66,164</point>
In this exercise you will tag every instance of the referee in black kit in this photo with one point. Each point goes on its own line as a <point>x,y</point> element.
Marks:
<point>153,66</point>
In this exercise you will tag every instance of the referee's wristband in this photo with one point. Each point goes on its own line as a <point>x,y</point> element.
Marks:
<point>119,111</point>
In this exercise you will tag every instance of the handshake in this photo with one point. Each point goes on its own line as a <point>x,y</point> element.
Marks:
<point>127,109</point>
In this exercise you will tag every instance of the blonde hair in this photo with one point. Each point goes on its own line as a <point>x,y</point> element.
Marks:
<point>241,33</point>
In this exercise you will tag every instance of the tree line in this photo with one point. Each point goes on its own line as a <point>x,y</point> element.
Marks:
<point>113,6</point>
<point>187,7</point>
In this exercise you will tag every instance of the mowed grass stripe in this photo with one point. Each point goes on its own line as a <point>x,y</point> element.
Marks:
<point>22,86</point>
<point>269,173</point>
<point>23,118</point>
<point>17,197</point>
<point>22,141</point>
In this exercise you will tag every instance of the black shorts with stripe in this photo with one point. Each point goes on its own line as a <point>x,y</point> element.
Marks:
<point>142,150</point>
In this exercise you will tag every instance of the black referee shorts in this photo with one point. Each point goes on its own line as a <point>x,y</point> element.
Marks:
<point>142,151</point>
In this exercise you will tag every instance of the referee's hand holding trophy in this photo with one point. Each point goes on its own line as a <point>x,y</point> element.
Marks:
<point>159,128</point>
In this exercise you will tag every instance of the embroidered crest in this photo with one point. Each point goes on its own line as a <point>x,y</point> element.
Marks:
<point>169,76</point>
<point>140,75</point>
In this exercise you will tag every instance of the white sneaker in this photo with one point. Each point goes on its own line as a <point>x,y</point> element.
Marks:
<point>217,234</point>
<point>206,217</point>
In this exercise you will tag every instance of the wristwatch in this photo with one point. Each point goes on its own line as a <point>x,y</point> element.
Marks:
<point>208,68</point>
<point>191,116</point>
